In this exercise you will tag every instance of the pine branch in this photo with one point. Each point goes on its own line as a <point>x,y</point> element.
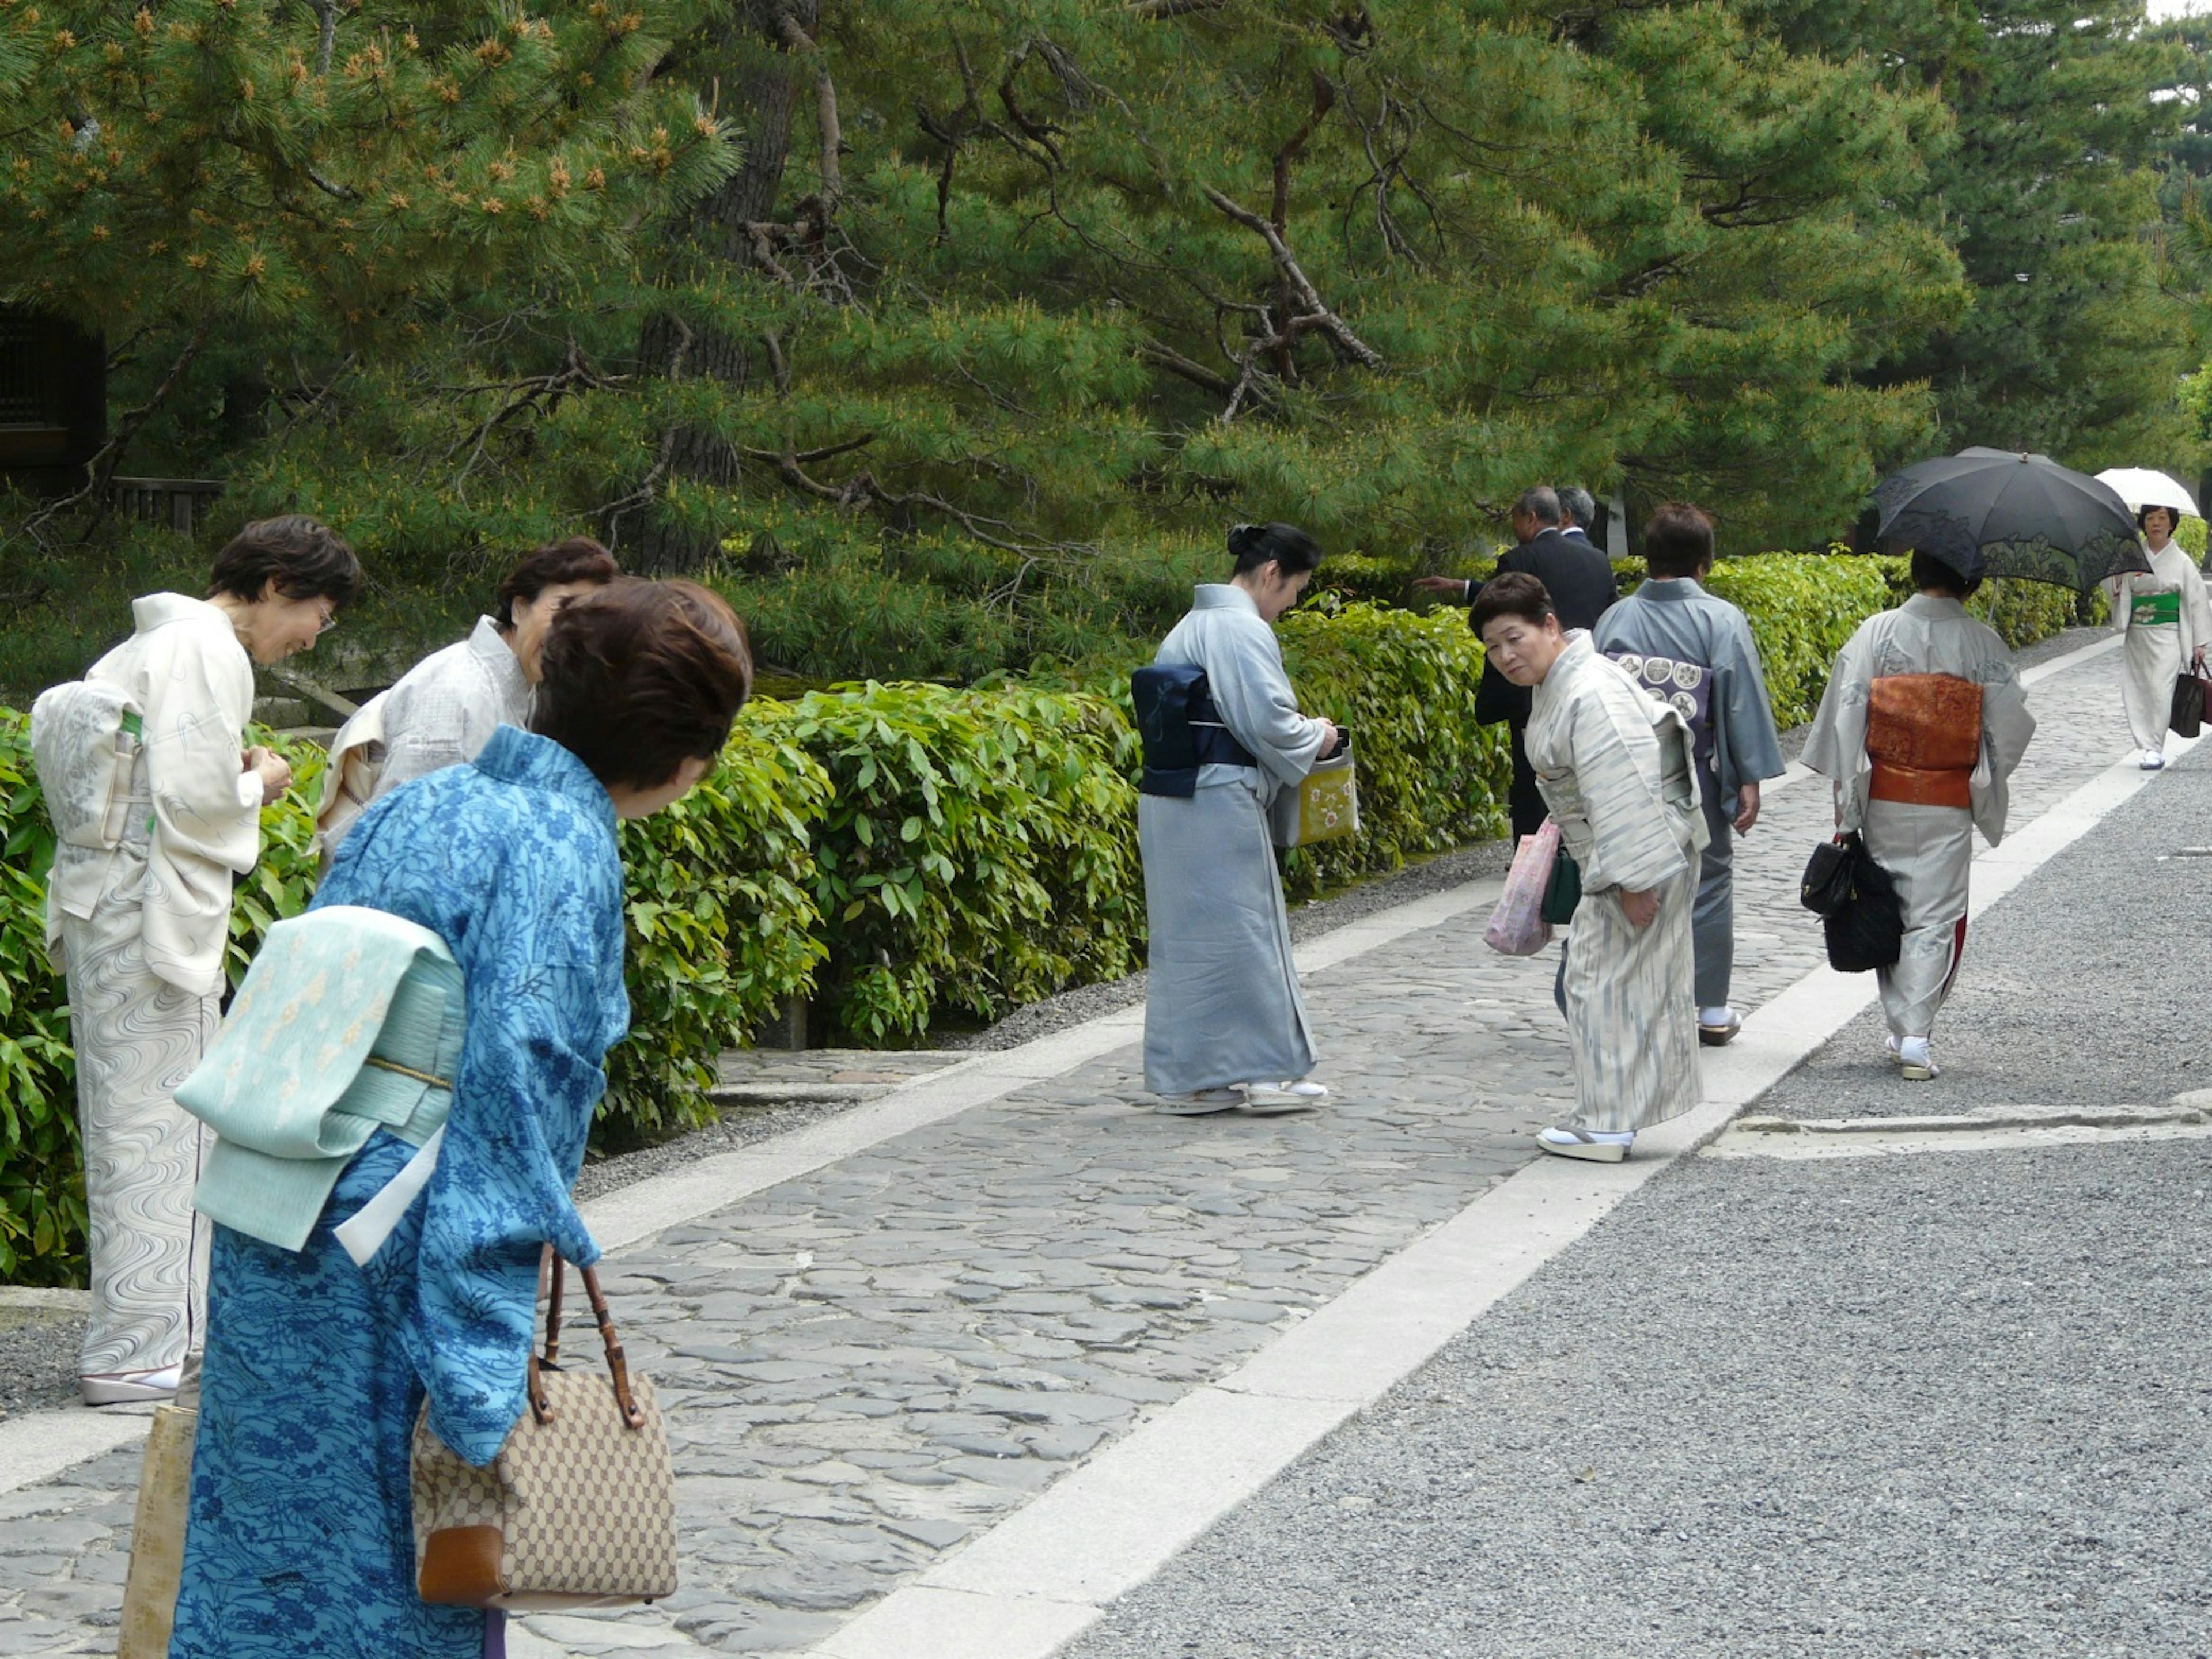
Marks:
<point>1315,315</point>
<point>100,469</point>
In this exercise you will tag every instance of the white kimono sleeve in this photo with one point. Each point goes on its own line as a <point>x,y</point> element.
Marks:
<point>198,697</point>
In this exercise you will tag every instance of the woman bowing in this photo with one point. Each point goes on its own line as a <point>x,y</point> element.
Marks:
<point>1224,1023</point>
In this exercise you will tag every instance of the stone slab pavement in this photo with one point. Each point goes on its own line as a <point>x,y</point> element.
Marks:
<point>864,1366</point>
<point>1925,1402</point>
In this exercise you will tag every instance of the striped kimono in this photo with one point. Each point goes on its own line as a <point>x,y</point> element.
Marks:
<point>2166,620</point>
<point>1929,849</point>
<point>1616,769</point>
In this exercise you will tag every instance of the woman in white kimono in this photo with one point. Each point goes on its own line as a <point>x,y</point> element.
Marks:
<point>444,710</point>
<point>2167,622</point>
<point>1919,820</point>
<point>1617,770</point>
<point>1224,1023</point>
<point>140,927</point>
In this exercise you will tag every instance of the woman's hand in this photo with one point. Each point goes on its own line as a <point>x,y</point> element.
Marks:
<point>1641,908</point>
<point>274,771</point>
<point>1329,737</point>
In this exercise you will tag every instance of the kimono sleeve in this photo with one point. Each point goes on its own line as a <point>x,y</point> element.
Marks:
<point>544,1000</point>
<point>2196,613</point>
<point>425,730</point>
<point>1750,746</point>
<point>1257,704</point>
<point>1633,840</point>
<point>197,697</point>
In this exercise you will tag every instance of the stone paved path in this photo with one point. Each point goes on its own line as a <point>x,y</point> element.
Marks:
<point>864,1366</point>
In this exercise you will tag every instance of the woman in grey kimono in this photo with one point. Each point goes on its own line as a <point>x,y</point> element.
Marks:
<point>444,710</point>
<point>140,925</point>
<point>1224,1023</point>
<point>1919,820</point>
<point>1617,772</point>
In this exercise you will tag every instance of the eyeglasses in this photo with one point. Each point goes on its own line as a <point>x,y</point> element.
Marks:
<point>329,620</point>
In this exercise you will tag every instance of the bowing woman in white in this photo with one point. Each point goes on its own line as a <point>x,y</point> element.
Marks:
<point>2167,622</point>
<point>140,928</point>
<point>1224,1023</point>
<point>444,709</point>
<point>1615,767</point>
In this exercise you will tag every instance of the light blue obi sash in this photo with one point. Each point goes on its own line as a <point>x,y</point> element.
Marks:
<point>349,1021</point>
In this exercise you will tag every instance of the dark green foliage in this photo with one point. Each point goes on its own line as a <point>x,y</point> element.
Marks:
<point>978,851</point>
<point>42,1217</point>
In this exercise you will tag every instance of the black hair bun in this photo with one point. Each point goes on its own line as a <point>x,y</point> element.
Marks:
<point>1244,537</point>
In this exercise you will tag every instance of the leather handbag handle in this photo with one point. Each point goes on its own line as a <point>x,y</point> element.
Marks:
<point>541,1403</point>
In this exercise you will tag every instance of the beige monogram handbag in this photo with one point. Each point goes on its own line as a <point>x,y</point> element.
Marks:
<point>579,1508</point>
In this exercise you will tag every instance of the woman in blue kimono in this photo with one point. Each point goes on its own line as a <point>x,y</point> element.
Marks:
<point>301,1543</point>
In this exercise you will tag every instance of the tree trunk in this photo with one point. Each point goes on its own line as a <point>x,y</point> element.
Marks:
<point>760,87</point>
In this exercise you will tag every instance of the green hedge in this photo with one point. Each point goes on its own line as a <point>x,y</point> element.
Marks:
<point>908,853</point>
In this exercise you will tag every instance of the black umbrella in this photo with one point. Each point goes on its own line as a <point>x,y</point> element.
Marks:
<point>1997,513</point>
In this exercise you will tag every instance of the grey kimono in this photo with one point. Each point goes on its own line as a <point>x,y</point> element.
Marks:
<point>1676,618</point>
<point>1222,1003</point>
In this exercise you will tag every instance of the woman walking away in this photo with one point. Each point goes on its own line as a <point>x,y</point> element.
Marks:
<point>2167,622</point>
<point>157,806</point>
<point>1224,1023</point>
<point>301,1543</point>
<point>1921,727</point>
<point>1616,768</point>
<point>445,708</point>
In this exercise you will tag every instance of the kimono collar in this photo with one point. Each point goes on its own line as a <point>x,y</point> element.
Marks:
<point>491,649</point>
<point>1933,605</point>
<point>1580,653</point>
<point>1670,588</point>
<point>154,611</point>
<point>1223,596</point>
<point>514,756</point>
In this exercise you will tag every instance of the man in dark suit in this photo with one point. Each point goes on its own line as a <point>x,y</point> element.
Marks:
<point>1577,513</point>
<point>1580,581</point>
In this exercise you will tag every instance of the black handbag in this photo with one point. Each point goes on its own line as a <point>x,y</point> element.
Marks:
<point>2188,716</point>
<point>1825,886</point>
<point>1563,892</point>
<point>1867,932</point>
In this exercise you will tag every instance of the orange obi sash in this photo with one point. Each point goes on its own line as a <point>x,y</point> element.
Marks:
<point>1924,736</point>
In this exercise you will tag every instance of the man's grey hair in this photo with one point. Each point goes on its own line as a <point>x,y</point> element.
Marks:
<point>1541,504</point>
<point>1580,505</point>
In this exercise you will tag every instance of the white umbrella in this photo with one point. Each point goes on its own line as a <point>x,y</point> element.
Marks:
<point>2141,487</point>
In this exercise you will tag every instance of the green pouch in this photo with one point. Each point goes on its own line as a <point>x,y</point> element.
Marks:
<point>1564,891</point>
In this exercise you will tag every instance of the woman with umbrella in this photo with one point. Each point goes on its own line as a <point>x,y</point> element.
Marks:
<point>2166,619</point>
<point>1921,727</point>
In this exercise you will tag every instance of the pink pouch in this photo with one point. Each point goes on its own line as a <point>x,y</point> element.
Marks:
<point>1518,927</point>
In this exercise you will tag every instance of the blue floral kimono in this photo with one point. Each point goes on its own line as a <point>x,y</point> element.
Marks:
<point>301,1543</point>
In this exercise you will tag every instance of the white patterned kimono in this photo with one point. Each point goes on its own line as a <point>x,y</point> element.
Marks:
<point>1222,1003</point>
<point>140,929</point>
<point>442,713</point>
<point>1929,849</point>
<point>2166,620</point>
<point>1616,770</point>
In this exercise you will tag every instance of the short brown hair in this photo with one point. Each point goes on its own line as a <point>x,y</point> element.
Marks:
<point>305,557</point>
<point>643,676</point>
<point>1677,539</point>
<point>1515,593</point>
<point>571,559</point>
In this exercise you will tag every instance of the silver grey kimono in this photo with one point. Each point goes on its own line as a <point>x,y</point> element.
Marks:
<point>1222,1003</point>
<point>1676,618</point>
<point>1616,770</point>
<point>1929,849</point>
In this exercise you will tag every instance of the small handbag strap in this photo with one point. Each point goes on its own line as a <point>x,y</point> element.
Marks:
<point>541,1403</point>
